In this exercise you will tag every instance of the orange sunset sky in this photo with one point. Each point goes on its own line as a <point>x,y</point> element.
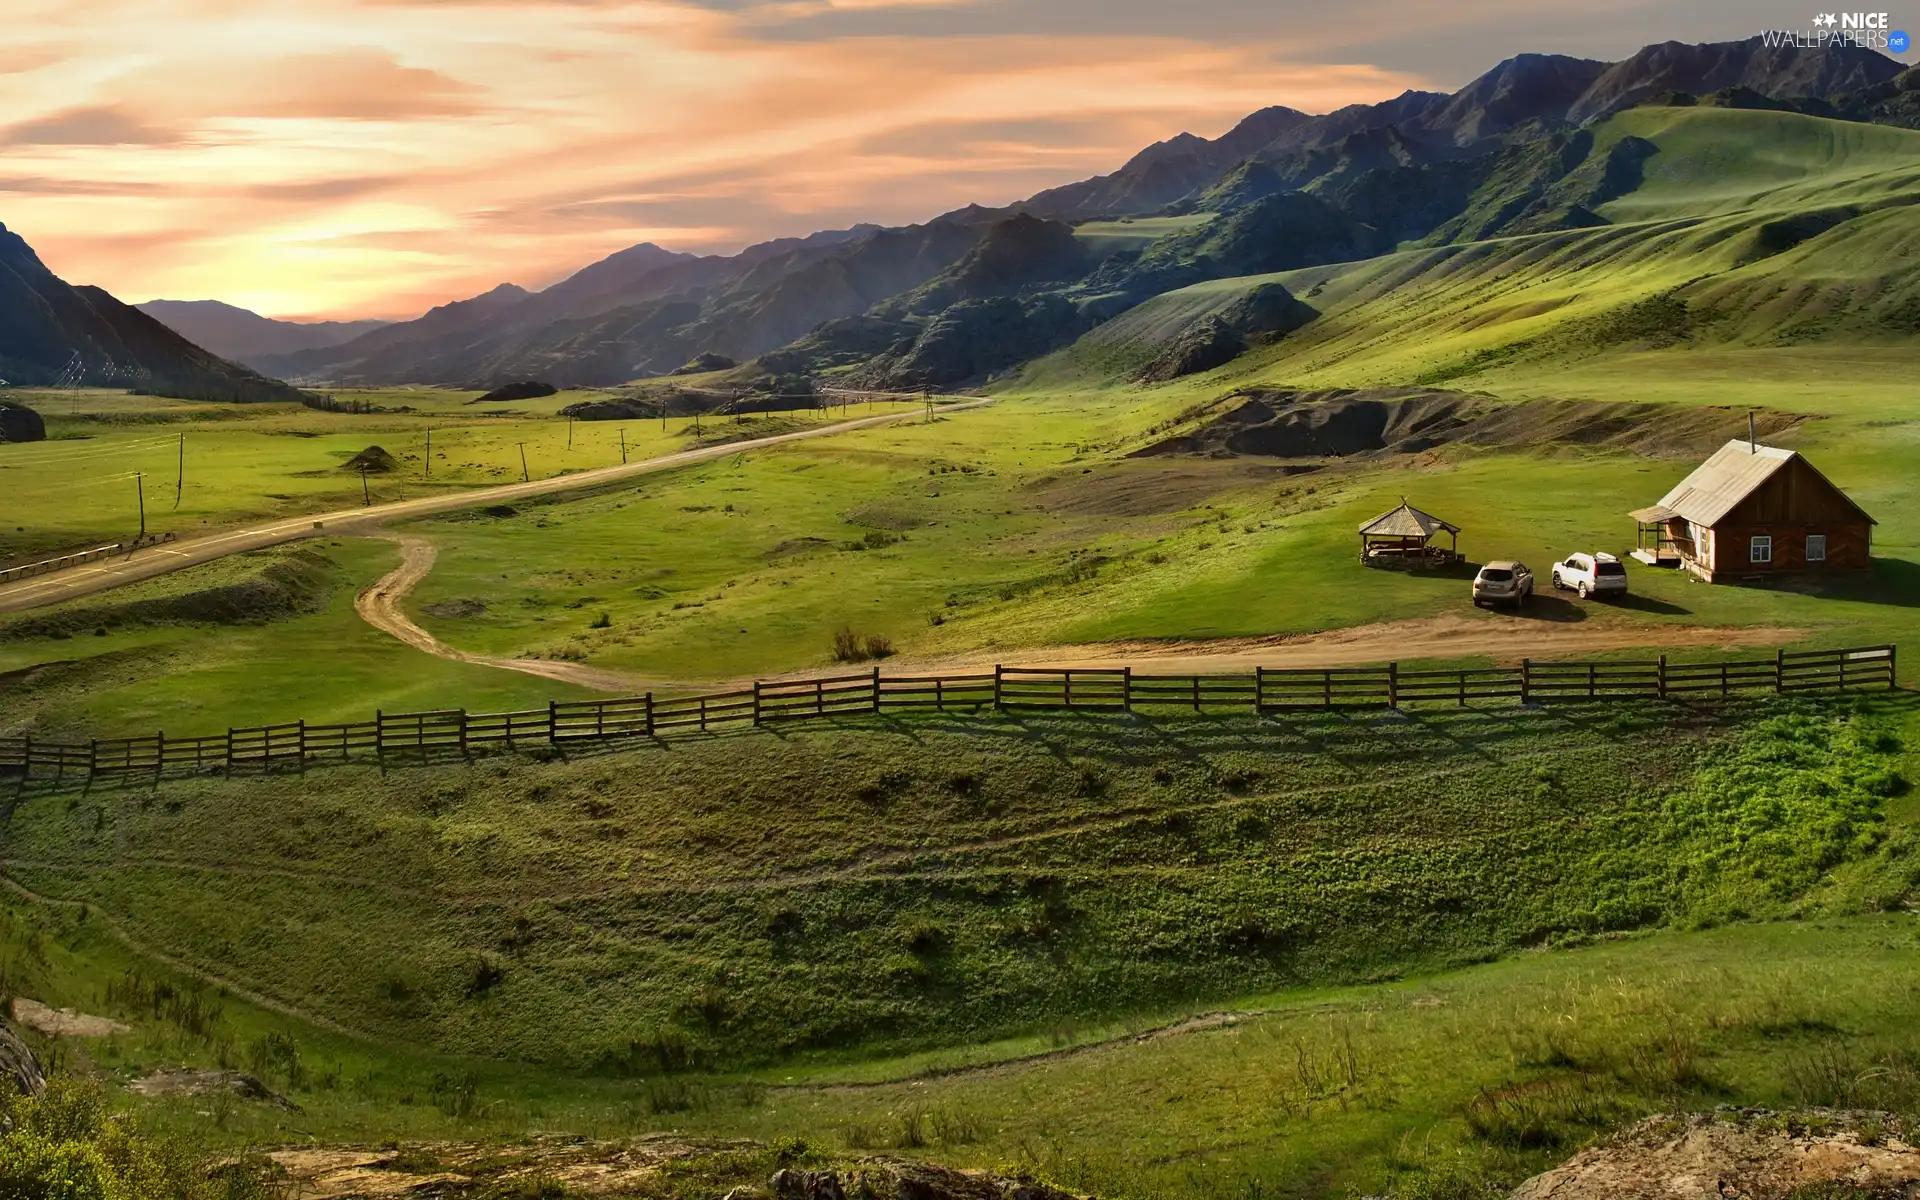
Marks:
<point>375,157</point>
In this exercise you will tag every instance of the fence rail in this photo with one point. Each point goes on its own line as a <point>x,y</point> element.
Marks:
<point>456,732</point>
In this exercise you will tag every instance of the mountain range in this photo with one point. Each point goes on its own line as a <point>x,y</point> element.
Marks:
<point>978,290</point>
<point>244,335</point>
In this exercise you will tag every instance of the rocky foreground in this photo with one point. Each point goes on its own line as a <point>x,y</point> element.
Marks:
<point>1747,1154</point>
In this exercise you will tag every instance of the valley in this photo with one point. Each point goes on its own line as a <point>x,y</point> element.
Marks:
<point>1408,951</point>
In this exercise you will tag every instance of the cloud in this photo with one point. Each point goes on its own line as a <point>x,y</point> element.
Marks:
<point>362,157</point>
<point>98,126</point>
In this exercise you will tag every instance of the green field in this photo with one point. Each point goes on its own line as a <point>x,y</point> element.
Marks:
<point>718,936</point>
<point>207,466</point>
<point>1410,954</point>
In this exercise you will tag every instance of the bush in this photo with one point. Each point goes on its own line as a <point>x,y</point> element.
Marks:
<point>850,647</point>
<point>65,1145</point>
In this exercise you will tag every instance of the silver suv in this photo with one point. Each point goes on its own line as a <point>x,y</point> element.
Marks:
<point>1502,582</point>
<point>1591,574</point>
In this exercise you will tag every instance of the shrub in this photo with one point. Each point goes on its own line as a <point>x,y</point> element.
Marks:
<point>66,1145</point>
<point>603,621</point>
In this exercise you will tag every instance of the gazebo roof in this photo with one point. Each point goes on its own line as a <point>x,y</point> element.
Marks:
<point>1406,521</point>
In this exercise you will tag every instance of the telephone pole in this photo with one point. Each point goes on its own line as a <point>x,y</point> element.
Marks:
<point>180,480</point>
<point>569,432</point>
<point>140,489</point>
<point>623,445</point>
<point>524,477</point>
<point>429,474</point>
<point>366,496</point>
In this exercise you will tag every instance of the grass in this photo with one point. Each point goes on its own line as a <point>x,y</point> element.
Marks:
<point>234,642</point>
<point>576,947</point>
<point>780,896</point>
<point>271,460</point>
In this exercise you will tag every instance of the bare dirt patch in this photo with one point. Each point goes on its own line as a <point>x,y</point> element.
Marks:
<point>431,1168</point>
<point>188,1082</point>
<point>63,1022</point>
<point>1751,1154</point>
<point>1385,422</point>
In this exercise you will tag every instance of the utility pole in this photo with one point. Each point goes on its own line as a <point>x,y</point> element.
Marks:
<point>524,477</point>
<point>366,496</point>
<point>180,480</point>
<point>696,424</point>
<point>569,432</point>
<point>429,474</point>
<point>623,445</point>
<point>140,489</point>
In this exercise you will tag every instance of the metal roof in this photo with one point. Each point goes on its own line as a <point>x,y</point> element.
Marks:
<point>1406,521</point>
<point>1724,480</point>
<point>1653,514</point>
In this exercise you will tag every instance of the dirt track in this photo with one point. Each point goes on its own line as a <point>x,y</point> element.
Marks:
<point>188,552</point>
<point>379,606</point>
<point>1501,637</point>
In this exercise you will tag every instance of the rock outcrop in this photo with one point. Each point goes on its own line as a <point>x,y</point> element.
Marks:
<point>18,1066</point>
<point>1750,1154</point>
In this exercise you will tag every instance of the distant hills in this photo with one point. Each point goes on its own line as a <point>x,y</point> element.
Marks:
<point>243,335</point>
<point>52,332</point>
<point>979,290</point>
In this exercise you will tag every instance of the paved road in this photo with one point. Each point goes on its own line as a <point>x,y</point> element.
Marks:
<point>173,556</point>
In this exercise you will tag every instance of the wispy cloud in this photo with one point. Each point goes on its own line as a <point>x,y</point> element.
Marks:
<point>353,157</point>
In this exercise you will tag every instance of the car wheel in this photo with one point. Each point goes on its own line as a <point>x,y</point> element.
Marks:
<point>1583,591</point>
<point>1478,603</point>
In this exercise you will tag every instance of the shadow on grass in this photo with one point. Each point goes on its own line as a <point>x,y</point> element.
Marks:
<point>1545,608</point>
<point>1637,602</point>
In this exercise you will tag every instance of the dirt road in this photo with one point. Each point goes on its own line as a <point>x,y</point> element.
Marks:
<point>1497,636</point>
<point>173,556</point>
<point>379,606</point>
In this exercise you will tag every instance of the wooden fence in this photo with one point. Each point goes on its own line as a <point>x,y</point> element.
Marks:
<point>455,732</point>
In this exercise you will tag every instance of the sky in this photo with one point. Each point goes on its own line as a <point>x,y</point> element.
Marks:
<point>372,158</point>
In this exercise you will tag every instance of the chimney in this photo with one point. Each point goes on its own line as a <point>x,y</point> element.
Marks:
<point>1753,440</point>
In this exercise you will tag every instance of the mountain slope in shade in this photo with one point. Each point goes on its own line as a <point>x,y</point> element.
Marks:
<point>244,335</point>
<point>52,332</point>
<point>1524,96</point>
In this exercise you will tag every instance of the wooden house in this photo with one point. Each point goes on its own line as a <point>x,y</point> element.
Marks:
<point>1754,511</point>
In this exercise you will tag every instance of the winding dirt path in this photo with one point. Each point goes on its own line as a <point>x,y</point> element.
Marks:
<point>379,606</point>
<point>188,552</point>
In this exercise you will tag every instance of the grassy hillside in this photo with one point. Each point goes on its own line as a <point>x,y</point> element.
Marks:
<point>780,894</point>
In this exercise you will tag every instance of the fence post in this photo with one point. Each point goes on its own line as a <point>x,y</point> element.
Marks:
<point>1661,667</point>
<point>1526,680</point>
<point>649,711</point>
<point>876,689</point>
<point>1462,677</point>
<point>1259,689</point>
<point>1326,689</point>
<point>756,702</point>
<point>1393,684</point>
<point>1126,688</point>
<point>1066,688</point>
<point>1196,693</point>
<point>463,734</point>
<point>553,722</point>
<point>303,745</point>
<point>1893,677</point>
<point>159,752</point>
<point>996,687</point>
<point>229,749</point>
<point>1780,670</point>
<point>1593,670</point>
<point>26,757</point>
<point>93,757</point>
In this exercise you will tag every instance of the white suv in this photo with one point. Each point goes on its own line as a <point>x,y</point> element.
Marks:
<point>1591,574</point>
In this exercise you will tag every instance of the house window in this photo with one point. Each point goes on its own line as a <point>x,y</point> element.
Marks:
<point>1816,547</point>
<point>1760,549</point>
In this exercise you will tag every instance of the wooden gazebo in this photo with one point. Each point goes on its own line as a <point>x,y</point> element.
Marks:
<point>1403,537</point>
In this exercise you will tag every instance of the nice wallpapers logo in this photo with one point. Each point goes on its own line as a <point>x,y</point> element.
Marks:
<point>1869,31</point>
